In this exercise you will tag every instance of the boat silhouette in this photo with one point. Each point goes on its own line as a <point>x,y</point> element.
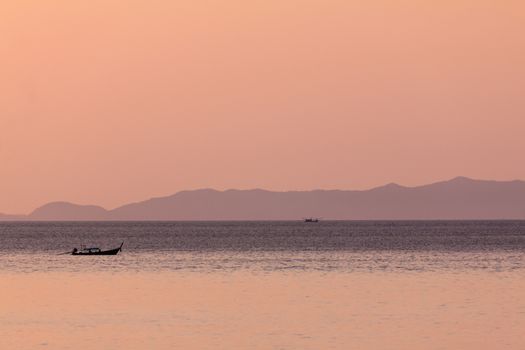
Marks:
<point>96,251</point>
<point>311,219</point>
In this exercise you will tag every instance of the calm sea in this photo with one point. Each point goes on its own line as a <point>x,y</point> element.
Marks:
<point>264,285</point>
<point>328,245</point>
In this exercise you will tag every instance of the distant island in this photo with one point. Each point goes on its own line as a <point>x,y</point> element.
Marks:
<point>459,198</point>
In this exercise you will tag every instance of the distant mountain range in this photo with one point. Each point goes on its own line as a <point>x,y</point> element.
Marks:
<point>459,198</point>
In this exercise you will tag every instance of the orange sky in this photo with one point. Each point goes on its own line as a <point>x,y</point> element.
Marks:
<point>110,101</point>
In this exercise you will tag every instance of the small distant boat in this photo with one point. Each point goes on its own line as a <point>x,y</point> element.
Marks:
<point>311,220</point>
<point>96,251</point>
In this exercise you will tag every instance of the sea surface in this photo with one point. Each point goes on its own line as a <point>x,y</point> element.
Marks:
<point>264,285</point>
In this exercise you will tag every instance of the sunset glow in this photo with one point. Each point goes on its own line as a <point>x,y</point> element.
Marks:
<point>113,101</point>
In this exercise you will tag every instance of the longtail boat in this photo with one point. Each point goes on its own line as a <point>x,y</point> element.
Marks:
<point>96,251</point>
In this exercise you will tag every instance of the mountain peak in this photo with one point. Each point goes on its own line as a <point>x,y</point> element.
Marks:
<point>390,186</point>
<point>461,179</point>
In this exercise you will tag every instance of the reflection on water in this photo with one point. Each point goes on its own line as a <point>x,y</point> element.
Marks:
<point>225,261</point>
<point>333,285</point>
<point>280,310</point>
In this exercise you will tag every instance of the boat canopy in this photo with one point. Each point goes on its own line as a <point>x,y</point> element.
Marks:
<point>92,249</point>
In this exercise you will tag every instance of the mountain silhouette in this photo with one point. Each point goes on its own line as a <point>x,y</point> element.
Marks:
<point>69,211</point>
<point>459,198</point>
<point>6,217</point>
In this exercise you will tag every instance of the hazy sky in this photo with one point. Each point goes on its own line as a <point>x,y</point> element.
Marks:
<point>110,101</point>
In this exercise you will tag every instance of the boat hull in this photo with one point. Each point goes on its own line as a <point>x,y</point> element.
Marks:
<point>105,252</point>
